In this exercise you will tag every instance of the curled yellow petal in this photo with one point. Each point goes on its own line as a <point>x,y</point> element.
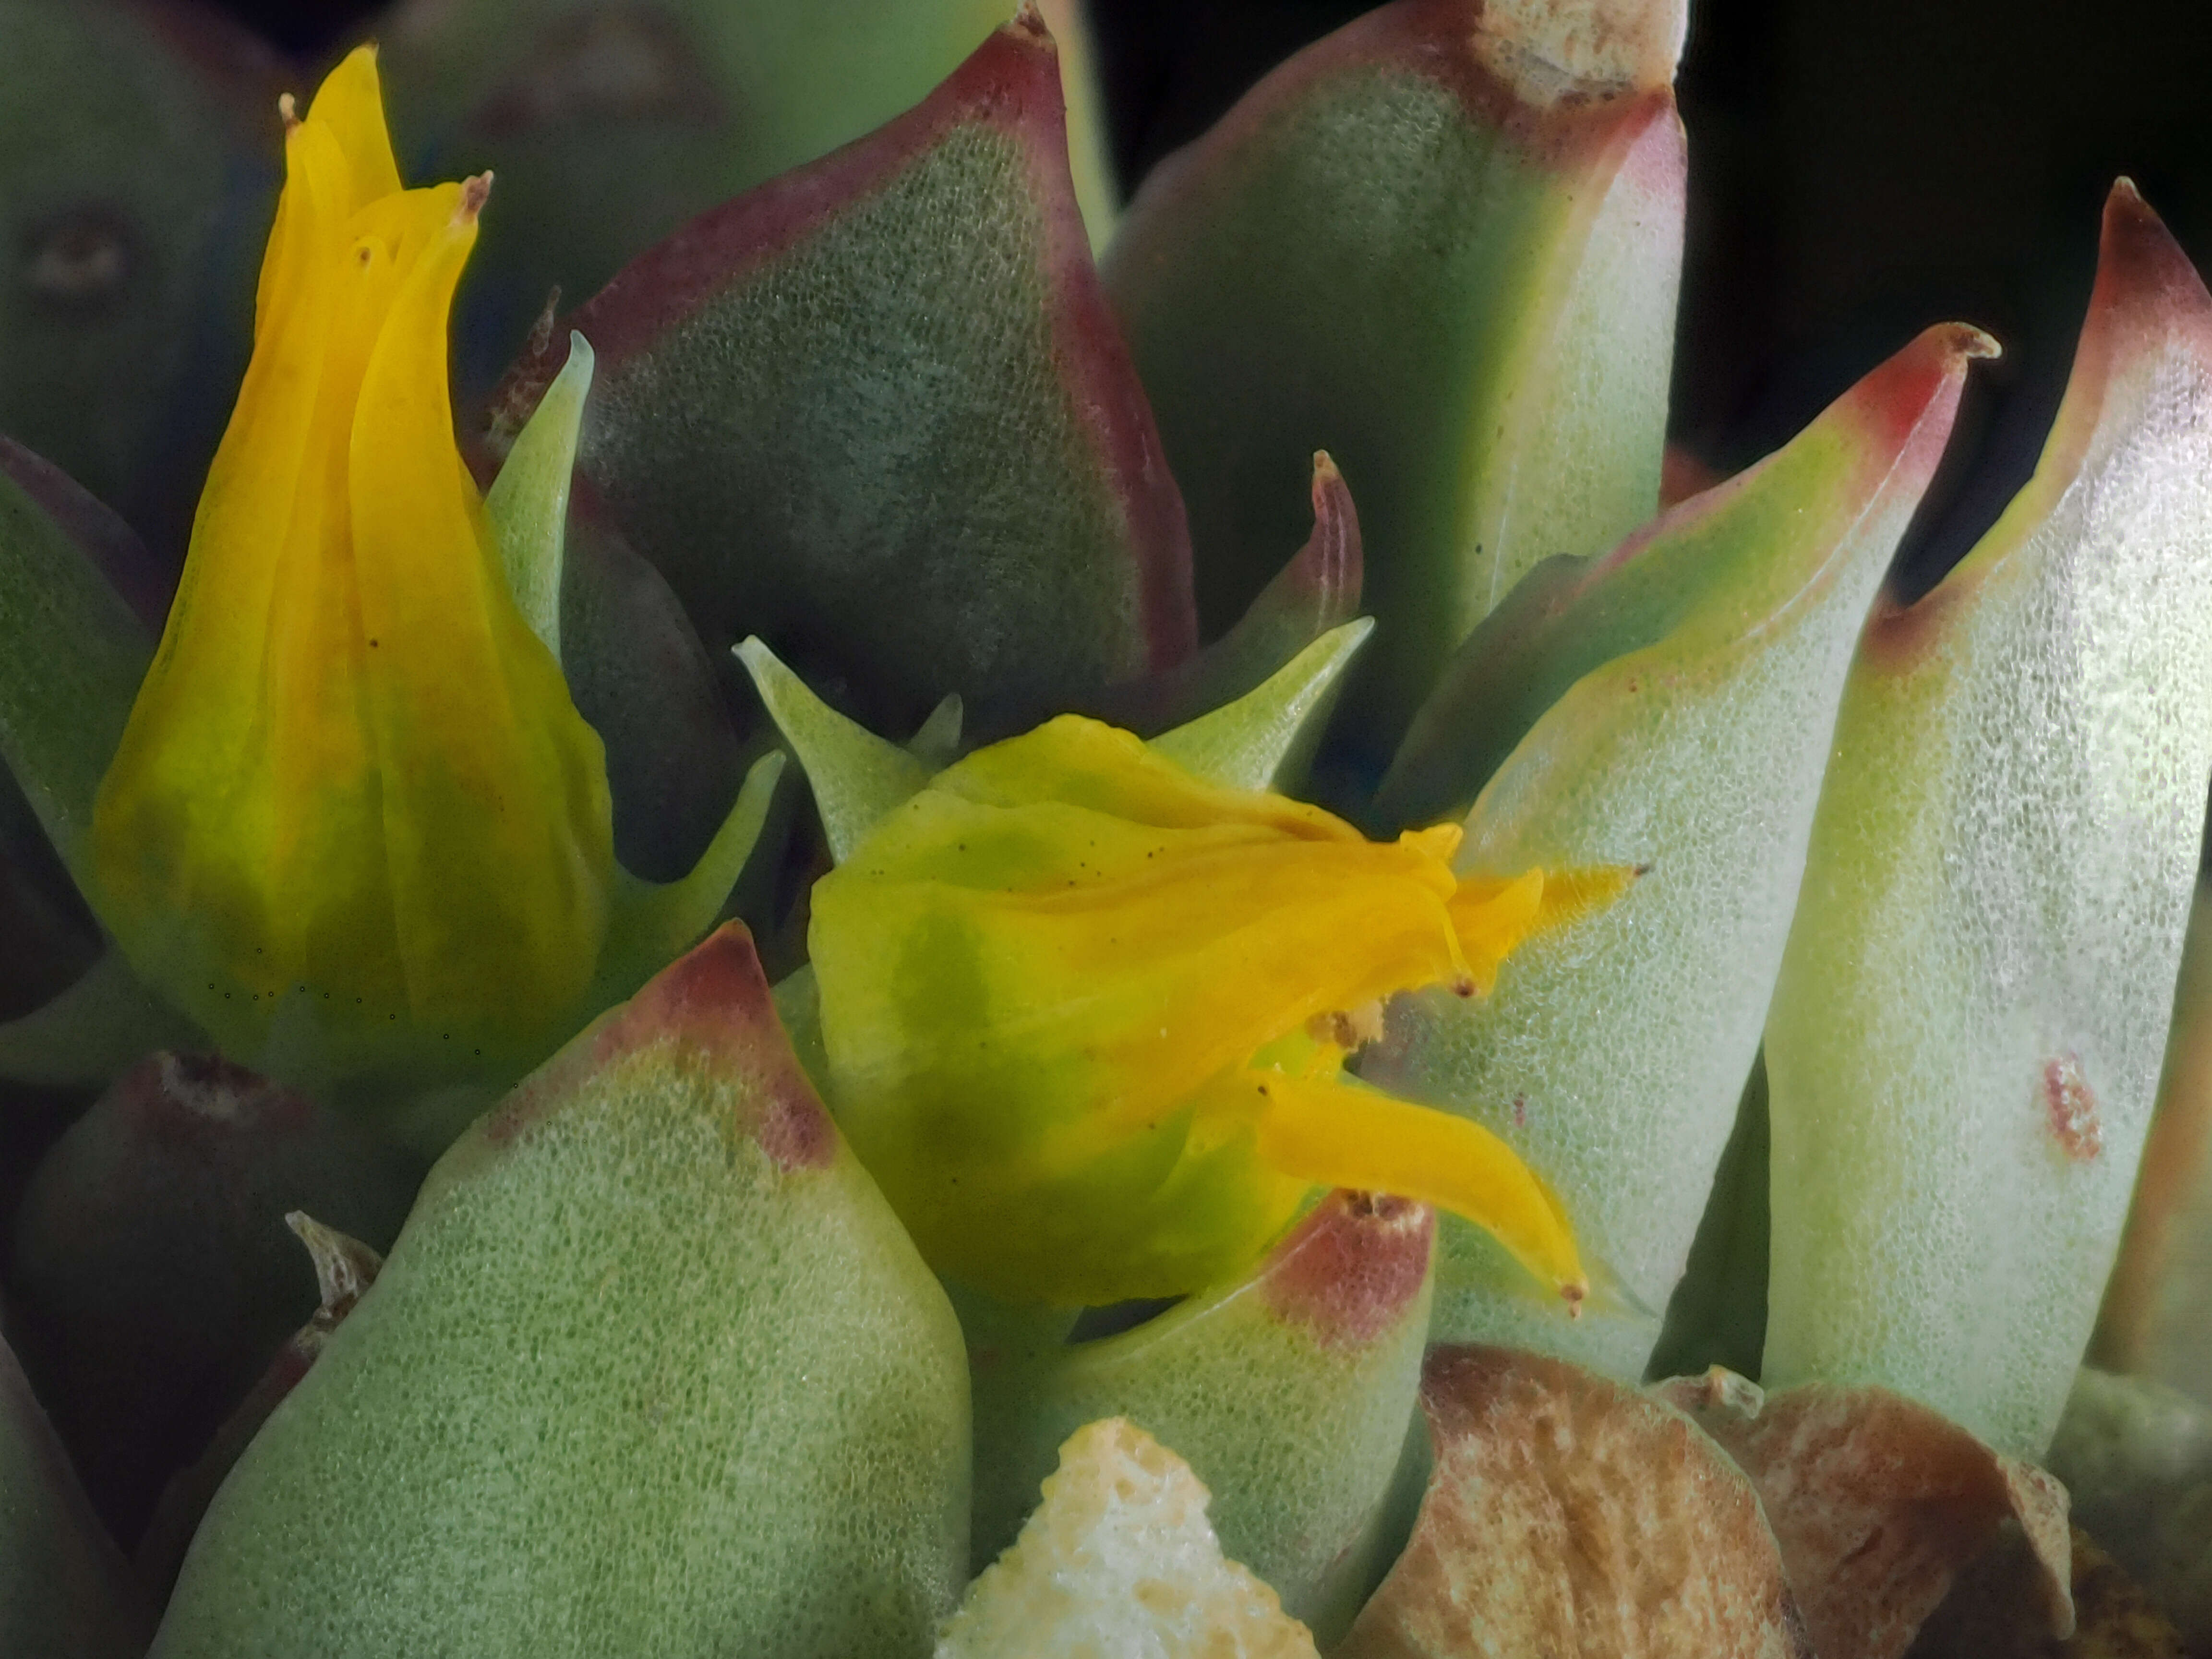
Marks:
<point>353,796</point>
<point>1049,980</point>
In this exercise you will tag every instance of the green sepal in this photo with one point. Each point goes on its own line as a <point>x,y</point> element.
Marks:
<point>1698,756</point>
<point>1964,1044</point>
<point>656,1280</point>
<point>856,775</point>
<point>1289,1392</point>
<point>1266,737</point>
<point>649,924</point>
<point>528,502</point>
<point>1445,246</point>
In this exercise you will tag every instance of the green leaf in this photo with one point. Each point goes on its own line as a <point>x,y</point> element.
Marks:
<point>877,413</point>
<point>102,1024</point>
<point>72,653</point>
<point>1613,1054</point>
<point>1290,1393</point>
<point>528,502</point>
<point>1443,243</point>
<point>1268,734</point>
<point>608,124</point>
<point>1965,1041</point>
<point>138,168</point>
<point>65,1587</point>
<point>856,775</point>
<point>651,1369</point>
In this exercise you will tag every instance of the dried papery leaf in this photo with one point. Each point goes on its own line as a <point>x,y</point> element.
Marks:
<point>1993,1613</point>
<point>1669,704</point>
<point>65,1591</point>
<point>876,412</point>
<point>1878,1503</point>
<point>1119,1559</point>
<point>1288,1392</point>
<point>1964,1039</point>
<point>1441,244</point>
<point>2138,1456</point>
<point>151,1265</point>
<point>1569,1514</point>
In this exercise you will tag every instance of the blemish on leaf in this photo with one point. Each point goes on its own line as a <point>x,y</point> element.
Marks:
<point>2072,1106</point>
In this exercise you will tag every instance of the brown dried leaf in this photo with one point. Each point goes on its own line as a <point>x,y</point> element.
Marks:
<point>1877,1503</point>
<point>1993,1612</point>
<point>1569,1515</point>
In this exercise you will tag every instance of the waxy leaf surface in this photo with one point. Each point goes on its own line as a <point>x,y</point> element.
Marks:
<point>1289,1393</point>
<point>1444,247</point>
<point>1965,1039</point>
<point>876,412</point>
<point>651,1369</point>
<point>610,123</point>
<point>1613,1053</point>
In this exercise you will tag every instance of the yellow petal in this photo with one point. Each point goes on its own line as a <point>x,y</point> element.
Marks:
<point>1335,1134</point>
<point>349,104</point>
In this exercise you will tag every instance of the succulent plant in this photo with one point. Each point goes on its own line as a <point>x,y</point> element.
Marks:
<point>1355,1031</point>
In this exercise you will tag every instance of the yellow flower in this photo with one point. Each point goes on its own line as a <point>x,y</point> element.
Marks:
<point>1084,1017</point>
<point>353,785</point>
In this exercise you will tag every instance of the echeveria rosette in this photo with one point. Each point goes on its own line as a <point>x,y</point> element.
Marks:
<point>1083,1015</point>
<point>354,828</point>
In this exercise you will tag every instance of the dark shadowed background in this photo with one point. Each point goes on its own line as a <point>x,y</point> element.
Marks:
<point>1857,171</point>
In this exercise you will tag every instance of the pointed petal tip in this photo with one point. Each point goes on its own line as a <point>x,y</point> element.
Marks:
<point>2139,264</point>
<point>475,192</point>
<point>1028,25</point>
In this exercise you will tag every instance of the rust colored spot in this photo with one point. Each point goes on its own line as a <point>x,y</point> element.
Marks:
<point>2072,1105</point>
<point>1353,1266</point>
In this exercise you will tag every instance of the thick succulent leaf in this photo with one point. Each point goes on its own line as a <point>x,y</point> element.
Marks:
<point>1699,753</point>
<point>106,1021</point>
<point>345,1269</point>
<point>658,1245</point>
<point>1877,1503</point>
<point>2137,1455</point>
<point>1567,1514</point>
<point>2153,1319</point>
<point>639,674</point>
<point>1289,1393</point>
<point>608,123</point>
<point>138,152</point>
<point>528,502</point>
<point>856,775</point>
<point>1965,1039</point>
<point>1717,1315</point>
<point>876,412</point>
<point>72,650</point>
<point>65,1591</point>
<point>1443,243</point>
<point>152,1269</point>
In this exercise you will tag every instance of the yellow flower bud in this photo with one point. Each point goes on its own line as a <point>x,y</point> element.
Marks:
<point>1084,1017</point>
<point>353,784</point>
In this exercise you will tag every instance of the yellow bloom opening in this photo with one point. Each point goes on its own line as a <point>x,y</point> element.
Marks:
<point>353,782</point>
<point>1086,1016</point>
